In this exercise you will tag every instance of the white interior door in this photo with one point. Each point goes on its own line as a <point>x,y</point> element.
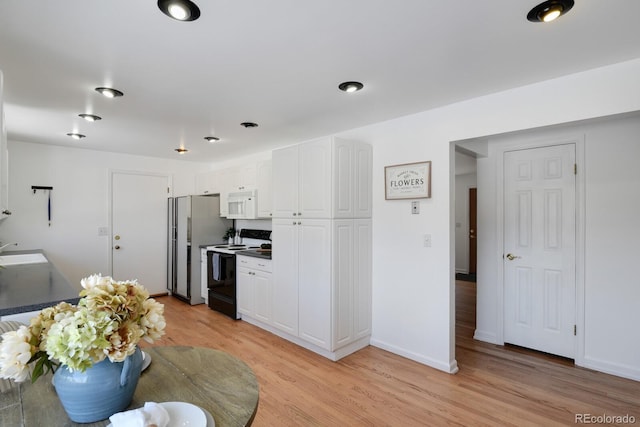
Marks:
<point>539,249</point>
<point>139,229</point>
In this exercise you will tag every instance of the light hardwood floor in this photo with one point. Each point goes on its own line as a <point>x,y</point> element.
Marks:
<point>496,386</point>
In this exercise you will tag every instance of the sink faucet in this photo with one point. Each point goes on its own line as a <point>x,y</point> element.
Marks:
<point>8,244</point>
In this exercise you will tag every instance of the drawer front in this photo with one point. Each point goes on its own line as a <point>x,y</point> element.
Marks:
<point>253,263</point>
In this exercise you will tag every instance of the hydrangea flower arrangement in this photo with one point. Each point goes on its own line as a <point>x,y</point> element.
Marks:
<point>108,322</point>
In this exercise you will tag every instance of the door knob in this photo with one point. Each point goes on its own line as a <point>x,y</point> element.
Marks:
<point>117,247</point>
<point>511,257</point>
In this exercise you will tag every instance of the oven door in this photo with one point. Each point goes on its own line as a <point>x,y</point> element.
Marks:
<point>221,282</point>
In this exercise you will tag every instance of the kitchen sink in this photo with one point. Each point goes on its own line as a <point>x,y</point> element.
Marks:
<point>18,259</point>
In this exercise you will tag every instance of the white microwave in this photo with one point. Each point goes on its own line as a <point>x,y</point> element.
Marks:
<point>243,205</point>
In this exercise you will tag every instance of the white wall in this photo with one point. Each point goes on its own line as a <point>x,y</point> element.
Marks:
<point>80,201</point>
<point>413,286</point>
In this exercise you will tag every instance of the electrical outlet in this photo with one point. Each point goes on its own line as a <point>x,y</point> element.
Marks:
<point>415,207</point>
<point>427,240</point>
<point>103,231</point>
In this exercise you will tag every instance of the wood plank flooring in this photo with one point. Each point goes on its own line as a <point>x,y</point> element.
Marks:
<point>496,386</point>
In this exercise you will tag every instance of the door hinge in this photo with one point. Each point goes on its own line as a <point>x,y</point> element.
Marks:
<point>168,190</point>
<point>575,330</point>
<point>575,169</point>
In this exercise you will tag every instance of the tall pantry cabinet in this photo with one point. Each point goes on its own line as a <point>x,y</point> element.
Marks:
<point>322,245</point>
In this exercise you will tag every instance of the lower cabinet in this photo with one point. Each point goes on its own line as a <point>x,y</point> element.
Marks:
<point>322,284</point>
<point>254,288</point>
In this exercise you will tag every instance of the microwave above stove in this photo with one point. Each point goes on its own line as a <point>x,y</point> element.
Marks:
<point>243,205</point>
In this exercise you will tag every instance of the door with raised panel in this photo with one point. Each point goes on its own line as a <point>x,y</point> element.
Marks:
<point>244,289</point>
<point>314,281</point>
<point>284,178</point>
<point>284,239</point>
<point>314,179</point>
<point>539,245</point>
<point>262,292</point>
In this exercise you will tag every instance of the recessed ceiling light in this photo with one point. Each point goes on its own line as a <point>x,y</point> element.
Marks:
<point>181,150</point>
<point>249,124</point>
<point>181,10</point>
<point>90,117</point>
<point>549,10</point>
<point>212,138</point>
<point>76,135</point>
<point>350,87</point>
<point>109,92</point>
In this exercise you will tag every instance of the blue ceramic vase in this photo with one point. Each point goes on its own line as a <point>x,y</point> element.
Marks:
<point>99,392</point>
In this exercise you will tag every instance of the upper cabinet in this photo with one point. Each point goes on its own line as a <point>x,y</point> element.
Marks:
<point>4,159</point>
<point>263,185</point>
<point>327,178</point>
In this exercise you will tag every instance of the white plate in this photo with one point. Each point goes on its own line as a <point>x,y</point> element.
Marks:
<point>182,414</point>
<point>146,361</point>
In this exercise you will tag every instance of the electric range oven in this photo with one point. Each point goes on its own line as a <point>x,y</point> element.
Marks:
<point>221,271</point>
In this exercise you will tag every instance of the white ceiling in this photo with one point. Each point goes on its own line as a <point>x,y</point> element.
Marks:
<point>277,63</point>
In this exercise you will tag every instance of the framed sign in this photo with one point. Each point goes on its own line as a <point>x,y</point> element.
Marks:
<point>407,181</point>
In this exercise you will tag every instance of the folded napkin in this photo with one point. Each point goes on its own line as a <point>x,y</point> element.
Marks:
<point>152,414</point>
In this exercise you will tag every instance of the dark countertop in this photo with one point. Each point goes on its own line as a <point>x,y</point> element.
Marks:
<point>254,253</point>
<point>32,287</point>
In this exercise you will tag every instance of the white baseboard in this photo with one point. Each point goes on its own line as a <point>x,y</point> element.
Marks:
<point>619,370</point>
<point>448,367</point>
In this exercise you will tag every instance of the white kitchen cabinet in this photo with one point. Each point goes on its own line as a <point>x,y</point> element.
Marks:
<point>284,239</point>
<point>234,179</point>
<point>302,180</point>
<point>352,179</point>
<point>302,271</point>
<point>314,281</point>
<point>263,186</point>
<point>326,264</point>
<point>254,288</point>
<point>327,178</point>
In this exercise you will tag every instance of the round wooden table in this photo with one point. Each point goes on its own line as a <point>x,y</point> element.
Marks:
<point>211,379</point>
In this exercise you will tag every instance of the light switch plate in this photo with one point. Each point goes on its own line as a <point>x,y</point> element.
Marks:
<point>415,207</point>
<point>427,240</point>
<point>103,231</point>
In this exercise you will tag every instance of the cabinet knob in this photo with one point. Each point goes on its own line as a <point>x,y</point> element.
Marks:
<point>294,223</point>
<point>299,214</point>
<point>6,212</point>
<point>299,223</point>
<point>294,214</point>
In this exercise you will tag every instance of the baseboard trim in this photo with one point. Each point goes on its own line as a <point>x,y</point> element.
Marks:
<point>450,367</point>
<point>619,370</point>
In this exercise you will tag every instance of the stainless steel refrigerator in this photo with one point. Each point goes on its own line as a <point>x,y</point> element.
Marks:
<point>193,221</point>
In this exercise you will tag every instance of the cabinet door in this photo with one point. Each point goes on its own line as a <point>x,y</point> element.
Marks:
<point>245,291</point>
<point>314,281</point>
<point>363,175</point>
<point>262,293</point>
<point>314,179</point>
<point>343,284</point>
<point>362,278</point>
<point>284,238</point>
<point>263,186</point>
<point>285,182</point>
<point>343,179</point>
